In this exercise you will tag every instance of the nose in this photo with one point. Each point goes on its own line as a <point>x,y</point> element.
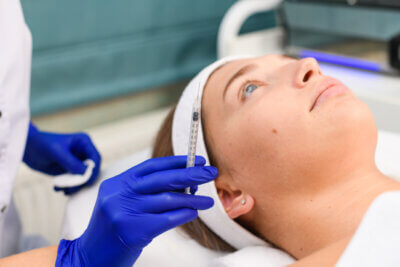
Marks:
<point>308,69</point>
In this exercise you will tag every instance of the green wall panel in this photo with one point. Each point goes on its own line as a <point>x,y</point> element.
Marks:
<point>89,50</point>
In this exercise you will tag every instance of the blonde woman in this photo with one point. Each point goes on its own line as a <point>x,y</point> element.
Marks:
<point>294,150</point>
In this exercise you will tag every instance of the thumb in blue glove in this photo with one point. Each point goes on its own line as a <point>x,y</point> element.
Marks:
<point>133,208</point>
<point>55,154</point>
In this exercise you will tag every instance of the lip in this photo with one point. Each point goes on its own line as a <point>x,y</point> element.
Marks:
<point>334,86</point>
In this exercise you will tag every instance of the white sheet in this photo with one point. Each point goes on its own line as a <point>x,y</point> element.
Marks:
<point>387,155</point>
<point>377,239</point>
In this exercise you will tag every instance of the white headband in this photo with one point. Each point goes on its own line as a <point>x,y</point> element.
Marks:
<point>215,218</point>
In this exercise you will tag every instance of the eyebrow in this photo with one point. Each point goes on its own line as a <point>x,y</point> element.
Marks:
<point>239,73</point>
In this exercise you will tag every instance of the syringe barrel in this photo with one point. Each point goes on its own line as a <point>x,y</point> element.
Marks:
<point>194,130</point>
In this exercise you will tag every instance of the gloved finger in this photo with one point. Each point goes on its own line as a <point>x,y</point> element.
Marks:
<point>84,148</point>
<point>54,172</point>
<point>193,189</point>
<point>52,169</point>
<point>90,152</point>
<point>179,191</point>
<point>57,189</point>
<point>172,180</point>
<point>69,162</point>
<point>169,220</point>
<point>161,164</point>
<point>172,201</point>
<point>68,190</point>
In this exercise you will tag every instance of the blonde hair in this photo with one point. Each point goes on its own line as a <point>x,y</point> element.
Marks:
<point>195,229</point>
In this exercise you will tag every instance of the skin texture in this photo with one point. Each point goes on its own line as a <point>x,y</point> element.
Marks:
<point>306,172</point>
<point>38,257</point>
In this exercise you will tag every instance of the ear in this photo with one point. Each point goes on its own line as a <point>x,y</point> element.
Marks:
<point>235,201</point>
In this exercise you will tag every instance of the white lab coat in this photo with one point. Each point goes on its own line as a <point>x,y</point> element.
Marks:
<point>15,68</point>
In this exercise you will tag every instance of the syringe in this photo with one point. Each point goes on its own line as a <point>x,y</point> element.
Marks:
<point>194,130</point>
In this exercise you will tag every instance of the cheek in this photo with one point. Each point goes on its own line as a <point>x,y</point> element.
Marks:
<point>266,131</point>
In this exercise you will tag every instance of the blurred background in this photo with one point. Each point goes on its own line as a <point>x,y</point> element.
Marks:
<point>100,52</point>
<point>111,68</point>
<point>114,68</point>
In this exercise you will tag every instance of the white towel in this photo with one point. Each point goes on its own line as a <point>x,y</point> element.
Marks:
<point>72,180</point>
<point>377,239</point>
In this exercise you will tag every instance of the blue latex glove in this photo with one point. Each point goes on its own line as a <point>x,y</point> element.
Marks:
<point>133,208</point>
<point>56,154</point>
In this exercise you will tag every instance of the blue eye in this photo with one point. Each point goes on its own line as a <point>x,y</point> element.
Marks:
<point>249,89</point>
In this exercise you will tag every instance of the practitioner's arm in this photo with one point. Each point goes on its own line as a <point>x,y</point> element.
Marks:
<point>38,257</point>
<point>328,256</point>
<point>132,208</point>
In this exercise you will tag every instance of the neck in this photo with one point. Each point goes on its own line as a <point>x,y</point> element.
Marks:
<point>306,222</point>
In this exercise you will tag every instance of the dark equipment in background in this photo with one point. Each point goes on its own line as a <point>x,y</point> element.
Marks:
<point>355,33</point>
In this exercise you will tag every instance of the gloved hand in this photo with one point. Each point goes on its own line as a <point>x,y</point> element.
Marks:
<point>133,208</point>
<point>56,154</point>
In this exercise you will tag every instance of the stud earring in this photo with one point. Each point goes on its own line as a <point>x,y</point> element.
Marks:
<point>243,201</point>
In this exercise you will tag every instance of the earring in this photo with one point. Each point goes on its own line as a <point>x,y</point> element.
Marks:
<point>243,201</point>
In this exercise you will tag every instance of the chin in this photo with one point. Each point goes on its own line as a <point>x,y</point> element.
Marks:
<point>355,112</point>
<point>346,116</point>
<point>355,125</point>
<point>345,108</point>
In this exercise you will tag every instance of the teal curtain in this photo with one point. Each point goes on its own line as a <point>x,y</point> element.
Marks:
<point>90,50</point>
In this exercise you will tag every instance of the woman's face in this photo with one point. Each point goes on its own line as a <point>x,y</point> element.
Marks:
<point>277,125</point>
